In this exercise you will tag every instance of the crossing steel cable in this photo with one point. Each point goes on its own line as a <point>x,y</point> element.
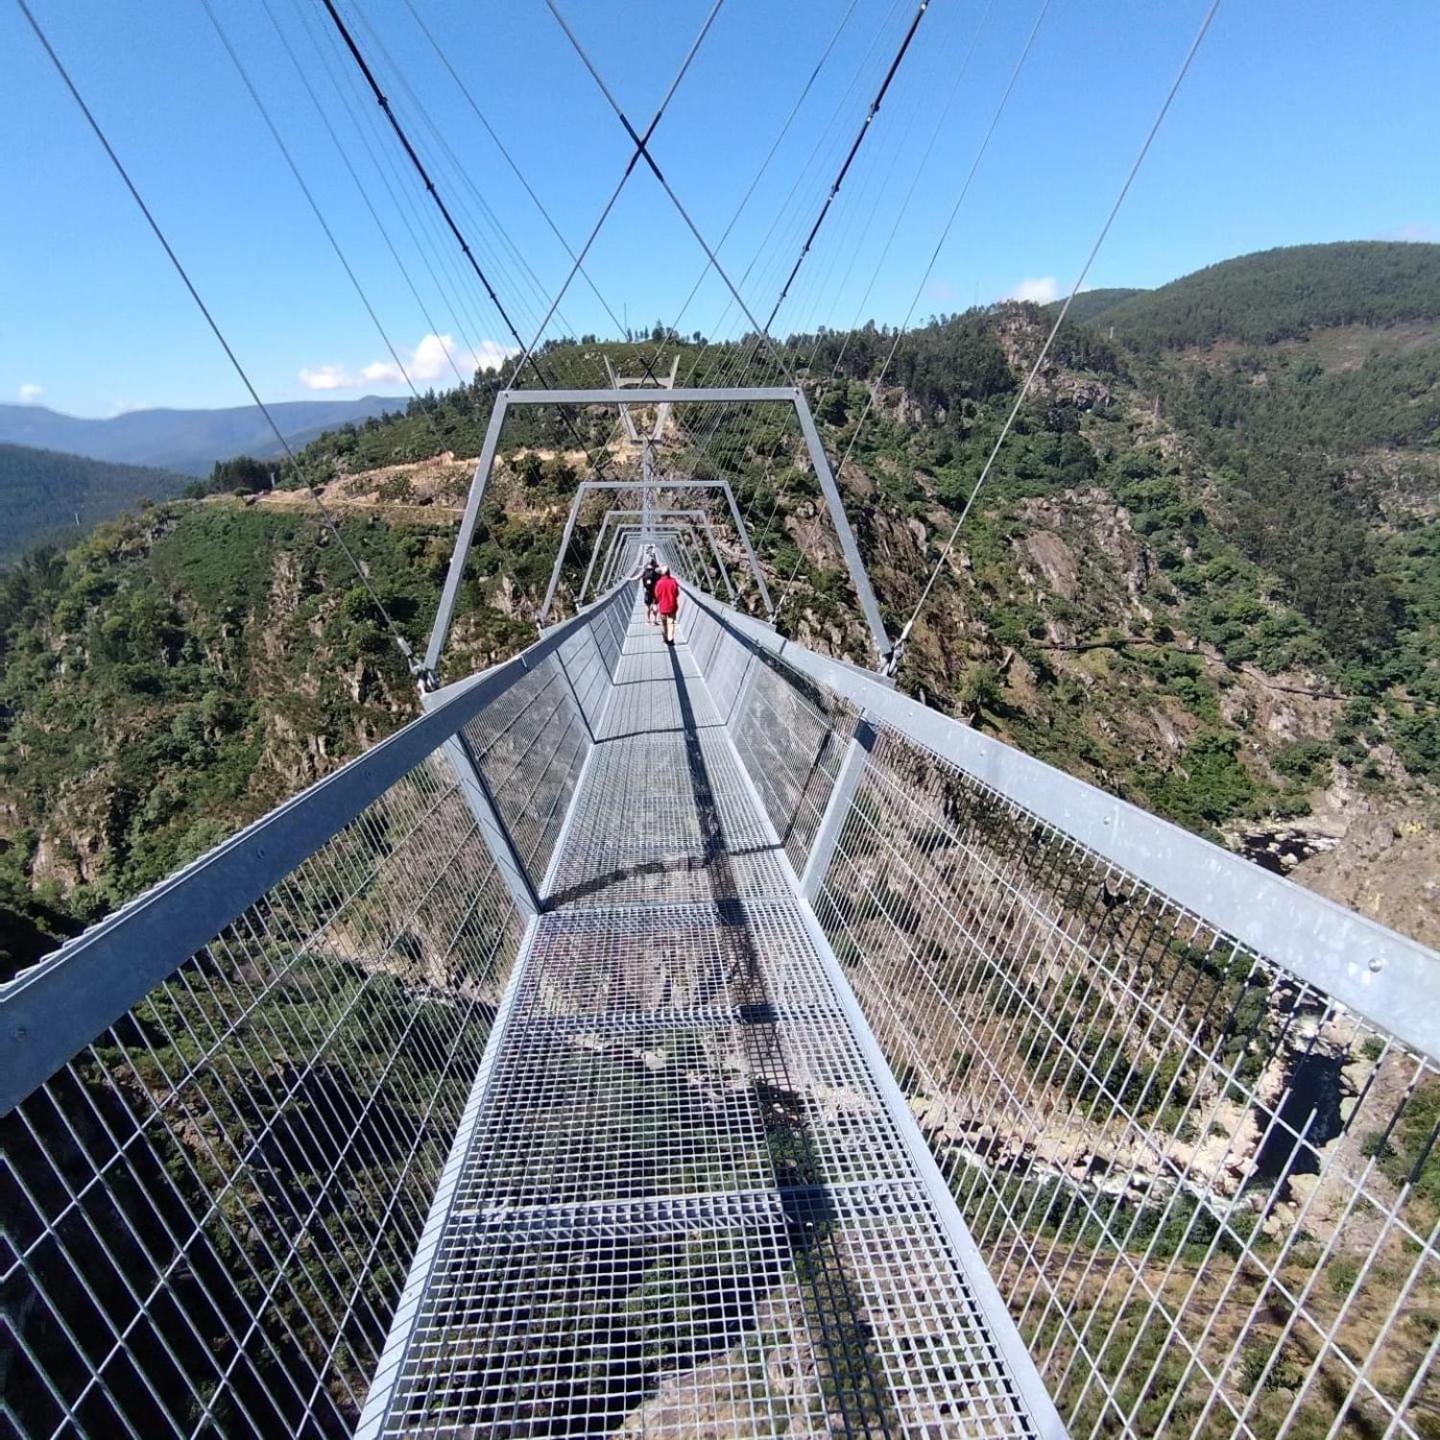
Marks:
<point>383,101</point>
<point>899,218</point>
<point>433,329</point>
<point>642,151</point>
<point>640,143</point>
<point>770,155</point>
<point>849,159</point>
<point>830,198</point>
<point>523,179</point>
<point>414,665</point>
<point>915,181</point>
<point>903,637</point>
<point>765,164</point>
<point>761,332</point>
<point>314,204</point>
<point>704,415</point>
<point>420,223</point>
<point>746,350</point>
<point>504,245</point>
<point>934,256</point>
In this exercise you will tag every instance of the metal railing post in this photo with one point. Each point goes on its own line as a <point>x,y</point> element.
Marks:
<point>451,593</point>
<point>858,576</point>
<point>493,830</point>
<point>837,807</point>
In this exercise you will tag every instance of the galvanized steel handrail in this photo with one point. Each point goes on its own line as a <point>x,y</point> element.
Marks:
<point>51,1010</point>
<point>1387,977</point>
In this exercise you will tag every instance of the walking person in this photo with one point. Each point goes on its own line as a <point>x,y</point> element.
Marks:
<point>648,576</point>
<point>667,600</point>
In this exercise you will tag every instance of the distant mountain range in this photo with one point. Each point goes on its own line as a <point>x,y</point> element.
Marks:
<point>188,441</point>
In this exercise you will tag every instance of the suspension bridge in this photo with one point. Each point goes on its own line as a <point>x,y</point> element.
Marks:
<point>714,1041</point>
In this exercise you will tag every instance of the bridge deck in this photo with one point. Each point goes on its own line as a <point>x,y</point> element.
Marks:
<point>685,1206</point>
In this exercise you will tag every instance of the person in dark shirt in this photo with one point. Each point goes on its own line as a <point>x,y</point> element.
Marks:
<point>648,576</point>
<point>667,600</point>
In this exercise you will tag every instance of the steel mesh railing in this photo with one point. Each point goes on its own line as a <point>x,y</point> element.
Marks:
<point>1208,1190</point>
<point>1200,1166</point>
<point>791,734</point>
<point>213,1203</point>
<point>531,742</point>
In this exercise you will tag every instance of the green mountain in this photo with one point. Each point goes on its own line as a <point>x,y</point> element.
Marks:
<point>1285,294</point>
<point>190,441</point>
<point>1088,306</point>
<point>47,496</point>
<point>1204,575</point>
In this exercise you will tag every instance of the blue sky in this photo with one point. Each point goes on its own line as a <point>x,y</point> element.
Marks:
<point>1296,124</point>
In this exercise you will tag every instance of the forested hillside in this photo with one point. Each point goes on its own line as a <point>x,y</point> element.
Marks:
<point>46,496</point>
<point>1282,294</point>
<point>1205,574</point>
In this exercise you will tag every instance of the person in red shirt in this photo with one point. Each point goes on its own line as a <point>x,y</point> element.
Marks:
<point>667,600</point>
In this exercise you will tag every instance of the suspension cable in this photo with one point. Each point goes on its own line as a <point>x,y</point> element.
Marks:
<point>763,331</point>
<point>314,204</point>
<point>849,159</point>
<point>640,143</point>
<point>901,329</point>
<point>904,635</point>
<point>413,664</point>
<point>419,165</point>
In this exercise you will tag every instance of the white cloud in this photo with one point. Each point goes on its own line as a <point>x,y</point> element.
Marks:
<point>1042,290</point>
<point>436,357</point>
<point>29,393</point>
<point>327,377</point>
<point>1416,230</point>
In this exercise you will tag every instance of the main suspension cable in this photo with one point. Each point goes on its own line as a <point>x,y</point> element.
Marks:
<point>901,329</point>
<point>419,165</point>
<point>414,665</point>
<point>1190,54</point>
<point>849,159</point>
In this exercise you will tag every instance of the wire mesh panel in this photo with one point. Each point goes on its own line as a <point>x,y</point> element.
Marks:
<point>685,1210</point>
<point>212,1205</point>
<point>211,1208</point>
<point>791,734</point>
<point>1209,1192</point>
<point>531,743</point>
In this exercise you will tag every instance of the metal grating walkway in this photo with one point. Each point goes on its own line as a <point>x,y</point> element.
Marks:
<point>680,1204</point>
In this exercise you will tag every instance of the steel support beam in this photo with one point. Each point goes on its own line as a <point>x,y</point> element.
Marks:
<point>858,575</point>
<point>683,395</point>
<point>837,807</point>
<point>440,630</point>
<point>493,830</point>
<point>586,486</point>
<point>699,520</point>
<point>634,536</point>
<point>667,395</point>
<point>614,566</point>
